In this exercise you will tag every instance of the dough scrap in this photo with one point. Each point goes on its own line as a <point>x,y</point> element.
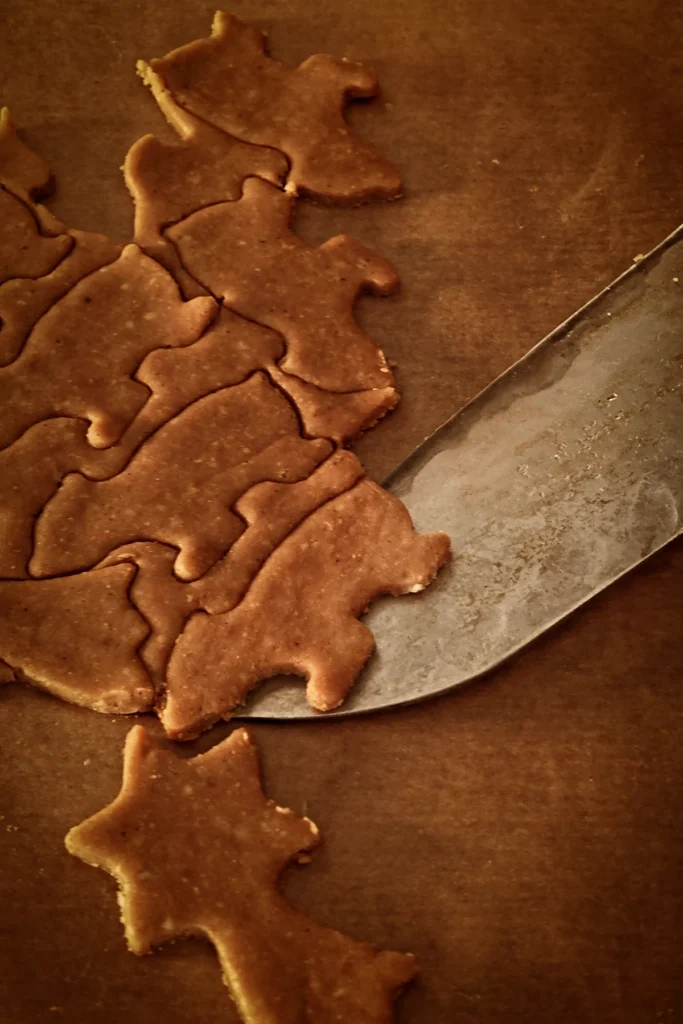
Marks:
<point>197,848</point>
<point>25,250</point>
<point>179,486</point>
<point>300,614</point>
<point>170,181</point>
<point>19,165</point>
<point>24,300</point>
<point>229,81</point>
<point>77,637</point>
<point>341,417</point>
<point>246,254</point>
<point>79,358</point>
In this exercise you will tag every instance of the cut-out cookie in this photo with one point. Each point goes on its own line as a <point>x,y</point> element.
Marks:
<point>170,181</point>
<point>19,164</point>
<point>229,81</point>
<point>229,350</point>
<point>341,417</point>
<point>300,615</point>
<point>164,601</point>
<point>24,300</point>
<point>30,472</point>
<point>77,637</point>
<point>271,511</point>
<point>245,253</point>
<point>79,358</point>
<point>25,251</point>
<point>227,353</point>
<point>179,486</point>
<point>32,468</point>
<point>197,848</point>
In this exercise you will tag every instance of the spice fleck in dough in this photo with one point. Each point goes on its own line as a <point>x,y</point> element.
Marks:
<point>197,849</point>
<point>77,637</point>
<point>180,485</point>
<point>229,81</point>
<point>246,254</point>
<point>300,615</point>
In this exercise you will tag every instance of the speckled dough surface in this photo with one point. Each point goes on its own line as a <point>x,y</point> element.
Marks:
<point>77,637</point>
<point>245,434</point>
<point>24,300</point>
<point>230,82</point>
<point>81,357</point>
<point>246,254</point>
<point>169,181</point>
<point>300,615</point>
<point>270,511</point>
<point>24,250</point>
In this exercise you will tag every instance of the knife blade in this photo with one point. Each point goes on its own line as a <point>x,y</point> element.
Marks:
<point>561,476</point>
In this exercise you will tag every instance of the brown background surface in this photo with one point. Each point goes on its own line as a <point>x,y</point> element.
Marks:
<point>522,837</point>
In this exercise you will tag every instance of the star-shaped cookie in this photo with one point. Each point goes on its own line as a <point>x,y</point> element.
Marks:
<point>197,849</point>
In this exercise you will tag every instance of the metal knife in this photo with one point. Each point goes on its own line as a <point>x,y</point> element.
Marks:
<point>561,476</point>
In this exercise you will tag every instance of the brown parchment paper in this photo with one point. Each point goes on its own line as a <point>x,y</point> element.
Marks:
<point>523,837</point>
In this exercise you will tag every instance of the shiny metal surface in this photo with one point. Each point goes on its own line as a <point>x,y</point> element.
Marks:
<point>557,479</point>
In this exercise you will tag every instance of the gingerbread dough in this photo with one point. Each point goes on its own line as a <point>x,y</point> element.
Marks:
<point>270,511</point>
<point>23,301</point>
<point>197,849</point>
<point>30,472</point>
<point>19,164</point>
<point>77,637</point>
<point>300,614</point>
<point>32,468</point>
<point>245,253</point>
<point>229,81</point>
<point>79,359</point>
<point>163,601</point>
<point>228,351</point>
<point>25,250</point>
<point>170,181</point>
<point>179,486</point>
<point>341,417</point>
